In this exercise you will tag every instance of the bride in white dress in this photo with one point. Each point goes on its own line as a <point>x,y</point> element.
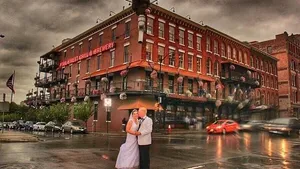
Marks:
<point>128,157</point>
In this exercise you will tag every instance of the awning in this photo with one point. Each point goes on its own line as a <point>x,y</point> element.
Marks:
<point>137,103</point>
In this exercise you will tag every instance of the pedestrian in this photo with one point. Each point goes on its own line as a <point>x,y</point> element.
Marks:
<point>124,122</point>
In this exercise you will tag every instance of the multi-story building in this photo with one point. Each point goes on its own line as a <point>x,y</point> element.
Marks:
<point>196,70</point>
<point>286,48</point>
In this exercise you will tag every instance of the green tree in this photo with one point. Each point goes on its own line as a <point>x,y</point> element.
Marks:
<point>83,111</point>
<point>59,112</point>
<point>44,115</point>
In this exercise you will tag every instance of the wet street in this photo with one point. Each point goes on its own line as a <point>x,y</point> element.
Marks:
<point>233,151</point>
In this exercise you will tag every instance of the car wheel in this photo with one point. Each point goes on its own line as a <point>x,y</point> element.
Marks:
<point>71,131</point>
<point>224,131</point>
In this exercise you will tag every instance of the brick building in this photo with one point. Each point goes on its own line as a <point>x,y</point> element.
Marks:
<point>196,70</point>
<point>286,48</point>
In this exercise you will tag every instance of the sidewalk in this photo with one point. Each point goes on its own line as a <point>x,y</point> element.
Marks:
<point>15,136</point>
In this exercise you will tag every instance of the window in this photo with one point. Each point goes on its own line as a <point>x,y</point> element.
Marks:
<point>267,82</point>
<point>261,65</point>
<point>127,29</point>
<point>90,45</point>
<point>229,52</point>
<point>190,61</point>
<point>216,68</point>
<point>292,65</point>
<point>65,54</point>
<point>256,63</point>
<point>240,57</point>
<point>78,68</point>
<point>112,59</point>
<point>161,53</point>
<point>172,33</point>
<point>269,49</point>
<point>149,81</point>
<point>88,65</point>
<point>126,53</point>
<point>80,49</point>
<point>190,85</point>
<point>70,71</point>
<point>208,44</point>
<point>100,39</point>
<point>245,58</point>
<point>149,26</point>
<point>234,54</point>
<point>161,30</point>
<point>199,63</point>
<point>251,61</point>
<point>262,80</point>
<point>149,47</point>
<point>171,84</point>
<point>216,47</point>
<point>271,83</point>
<point>294,80</point>
<point>113,34</point>
<point>124,84</point>
<point>98,62</point>
<point>208,66</point>
<point>73,51</point>
<point>180,87</point>
<point>181,37</point>
<point>190,40</point>
<point>199,43</point>
<point>181,60</point>
<point>171,57</point>
<point>223,54</point>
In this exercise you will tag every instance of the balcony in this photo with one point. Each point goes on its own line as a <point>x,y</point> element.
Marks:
<point>44,82</point>
<point>240,78</point>
<point>48,66</point>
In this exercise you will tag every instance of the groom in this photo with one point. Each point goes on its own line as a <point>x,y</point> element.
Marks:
<point>144,138</point>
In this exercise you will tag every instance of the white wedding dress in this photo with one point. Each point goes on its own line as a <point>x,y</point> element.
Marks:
<point>128,157</point>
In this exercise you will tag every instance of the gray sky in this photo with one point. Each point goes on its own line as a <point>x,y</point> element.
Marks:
<point>32,27</point>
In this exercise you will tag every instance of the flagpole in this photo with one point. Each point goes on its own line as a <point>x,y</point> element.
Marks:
<point>13,82</point>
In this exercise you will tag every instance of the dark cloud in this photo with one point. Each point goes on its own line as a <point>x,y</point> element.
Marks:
<point>32,28</point>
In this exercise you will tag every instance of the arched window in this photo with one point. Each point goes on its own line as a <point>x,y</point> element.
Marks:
<point>262,80</point>
<point>245,58</point>
<point>208,66</point>
<point>216,68</point>
<point>223,50</point>
<point>229,52</point>
<point>234,54</point>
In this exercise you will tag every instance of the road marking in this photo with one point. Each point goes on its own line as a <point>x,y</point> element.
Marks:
<point>200,166</point>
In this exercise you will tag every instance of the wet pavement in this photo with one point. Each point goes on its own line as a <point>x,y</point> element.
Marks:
<point>256,150</point>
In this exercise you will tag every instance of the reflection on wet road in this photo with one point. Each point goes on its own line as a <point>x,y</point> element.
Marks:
<point>243,150</point>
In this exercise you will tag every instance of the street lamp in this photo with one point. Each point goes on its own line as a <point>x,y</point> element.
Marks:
<point>107,105</point>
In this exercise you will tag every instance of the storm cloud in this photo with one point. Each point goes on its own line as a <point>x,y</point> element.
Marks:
<point>32,28</point>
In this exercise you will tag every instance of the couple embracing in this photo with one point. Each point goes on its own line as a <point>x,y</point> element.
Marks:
<point>134,153</point>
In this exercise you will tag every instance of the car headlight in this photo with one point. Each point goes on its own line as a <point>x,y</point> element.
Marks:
<point>207,127</point>
<point>285,128</point>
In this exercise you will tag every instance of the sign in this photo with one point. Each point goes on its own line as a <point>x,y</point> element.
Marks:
<point>4,107</point>
<point>107,102</point>
<point>95,51</point>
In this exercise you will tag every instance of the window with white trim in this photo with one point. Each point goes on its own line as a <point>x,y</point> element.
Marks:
<point>216,47</point>
<point>80,49</point>
<point>161,30</point>
<point>190,62</point>
<point>199,43</point>
<point>181,60</point>
<point>149,49</point>
<point>161,53</point>
<point>100,39</point>
<point>216,68</point>
<point>98,62</point>
<point>127,29</point>
<point>208,44</point>
<point>112,59</point>
<point>208,66</point>
<point>88,65</point>
<point>181,37</point>
<point>78,68</point>
<point>229,52</point>
<point>199,64</point>
<point>171,57</point>
<point>73,52</point>
<point>190,40</point>
<point>223,51</point>
<point>90,45</point>
<point>113,34</point>
<point>294,80</point>
<point>149,26</point>
<point>172,33</point>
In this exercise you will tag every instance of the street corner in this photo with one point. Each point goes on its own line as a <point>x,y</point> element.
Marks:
<point>14,136</point>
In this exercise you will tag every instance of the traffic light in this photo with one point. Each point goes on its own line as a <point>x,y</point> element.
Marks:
<point>139,6</point>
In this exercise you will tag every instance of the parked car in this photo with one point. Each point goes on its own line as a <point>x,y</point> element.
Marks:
<point>252,125</point>
<point>52,126</point>
<point>285,126</point>
<point>12,125</point>
<point>73,127</point>
<point>28,125</point>
<point>222,126</point>
<point>39,126</point>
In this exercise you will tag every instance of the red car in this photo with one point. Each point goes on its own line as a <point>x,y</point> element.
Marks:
<point>223,126</point>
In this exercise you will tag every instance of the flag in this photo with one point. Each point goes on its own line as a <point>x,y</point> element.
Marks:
<point>10,83</point>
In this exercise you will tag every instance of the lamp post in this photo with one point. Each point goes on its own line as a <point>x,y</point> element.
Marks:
<point>107,105</point>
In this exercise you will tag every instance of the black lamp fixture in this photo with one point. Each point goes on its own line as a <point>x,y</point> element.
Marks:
<point>2,36</point>
<point>98,20</point>
<point>201,22</point>
<point>172,9</point>
<point>155,1</point>
<point>188,16</point>
<point>129,2</point>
